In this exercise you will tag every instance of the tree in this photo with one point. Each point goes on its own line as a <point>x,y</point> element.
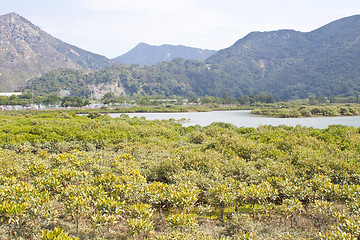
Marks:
<point>74,102</point>
<point>183,197</point>
<point>108,98</point>
<point>259,194</point>
<point>158,194</point>
<point>243,100</point>
<point>223,195</point>
<point>139,222</point>
<point>264,98</point>
<point>207,99</point>
<point>107,212</point>
<point>290,208</point>
<point>52,99</point>
<point>76,202</point>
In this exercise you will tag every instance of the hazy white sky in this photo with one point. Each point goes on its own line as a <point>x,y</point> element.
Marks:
<point>112,27</point>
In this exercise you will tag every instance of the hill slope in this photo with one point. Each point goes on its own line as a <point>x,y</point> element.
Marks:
<point>145,54</point>
<point>26,51</point>
<point>292,64</point>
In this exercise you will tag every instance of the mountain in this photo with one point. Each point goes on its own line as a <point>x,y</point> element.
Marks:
<point>286,64</point>
<point>26,51</point>
<point>292,64</point>
<point>145,54</point>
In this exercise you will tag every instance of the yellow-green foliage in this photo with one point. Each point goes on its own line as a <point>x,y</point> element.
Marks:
<point>72,177</point>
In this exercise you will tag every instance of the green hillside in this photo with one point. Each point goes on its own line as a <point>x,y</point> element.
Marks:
<point>292,64</point>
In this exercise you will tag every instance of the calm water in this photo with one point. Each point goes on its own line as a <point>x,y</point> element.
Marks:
<point>243,118</point>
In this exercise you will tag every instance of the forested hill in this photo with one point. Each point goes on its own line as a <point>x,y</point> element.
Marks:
<point>286,63</point>
<point>145,54</point>
<point>289,64</point>
<point>26,51</point>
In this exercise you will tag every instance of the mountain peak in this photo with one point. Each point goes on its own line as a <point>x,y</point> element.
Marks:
<point>11,15</point>
<point>27,51</point>
<point>142,44</point>
<point>145,54</point>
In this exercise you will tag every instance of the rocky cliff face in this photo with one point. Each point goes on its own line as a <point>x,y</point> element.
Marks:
<point>26,51</point>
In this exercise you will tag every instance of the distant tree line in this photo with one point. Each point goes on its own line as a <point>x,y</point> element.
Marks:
<point>54,99</point>
<point>51,99</point>
<point>145,100</point>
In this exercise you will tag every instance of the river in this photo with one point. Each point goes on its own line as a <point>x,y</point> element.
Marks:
<point>243,118</point>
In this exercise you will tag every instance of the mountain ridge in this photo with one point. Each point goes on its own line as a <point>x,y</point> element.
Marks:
<point>146,54</point>
<point>287,64</point>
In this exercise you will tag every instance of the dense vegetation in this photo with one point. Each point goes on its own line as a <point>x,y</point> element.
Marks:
<point>27,99</point>
<point>290,64</point>
<point>310,111</point>
<point>318,106</point>
<point>64,176</point>
<point>113,100</point>
<point>188,78</point>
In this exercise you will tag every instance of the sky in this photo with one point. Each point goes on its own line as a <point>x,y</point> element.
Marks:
<point>113,27</point>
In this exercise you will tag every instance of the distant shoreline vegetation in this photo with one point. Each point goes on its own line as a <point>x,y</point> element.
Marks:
<point>310,111</point>
<point>260,104</point>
